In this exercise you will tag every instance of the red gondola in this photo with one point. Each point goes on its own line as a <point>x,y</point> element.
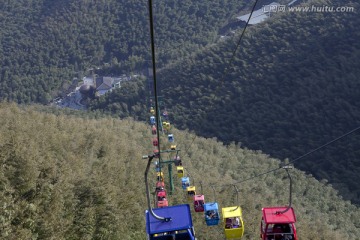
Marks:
<point>162,203</point>
<point>153,130</point>
<point>277,223</point>
<point>161,195</point>
<point>160,186</point>
<point>199,201</point>
<point>155,142</point>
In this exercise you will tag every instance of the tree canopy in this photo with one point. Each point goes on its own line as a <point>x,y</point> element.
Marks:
<point>291,87</point>
<point>75,177</point>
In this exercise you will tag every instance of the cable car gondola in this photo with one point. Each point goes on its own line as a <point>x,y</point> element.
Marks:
<point>161,198</point>
<point>152,111</point>
<point>171,138</point>
<point>157,167</point>
<point>162,203</point>
<point>191,192</point>
<point>160,176</point>
<point>160,186</point>
<point>233,222</point>
<point>185,182</point>
<point>199,201</point>
<point>180,171</point>
<point>168,221</point>
<point>153,130</point>
<point>179,227</point>
<point>277,224</point>
<point>166,126</point>
<point>173,222</point>
<point>155,142</point>
<point>177,161</point>
<point>161,194</point>
<point>212,216</point>
<point>152,120</point>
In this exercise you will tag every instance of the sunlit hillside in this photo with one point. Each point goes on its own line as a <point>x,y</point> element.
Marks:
<point>67,177</point>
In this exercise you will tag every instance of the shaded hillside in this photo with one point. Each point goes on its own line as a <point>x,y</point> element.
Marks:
<point>292,87</point>
<point>66,177</point>
<point>45,44</point>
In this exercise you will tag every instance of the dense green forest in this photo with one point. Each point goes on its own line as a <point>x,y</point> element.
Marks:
<point>68,177</point>
<point>44,44</point>
<point>292,87</point>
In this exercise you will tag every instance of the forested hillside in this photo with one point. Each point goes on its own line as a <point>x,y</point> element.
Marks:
<point>66,177</point>
<point>292,87</point>
<point>44,44</point>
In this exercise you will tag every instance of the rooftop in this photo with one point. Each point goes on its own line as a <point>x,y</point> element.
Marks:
<point>180,219</point>
<point>272,215</point>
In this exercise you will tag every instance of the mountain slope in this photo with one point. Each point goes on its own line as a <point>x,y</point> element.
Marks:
<point>292,87</point>
<point>69,177</point>
<point>45,44</point>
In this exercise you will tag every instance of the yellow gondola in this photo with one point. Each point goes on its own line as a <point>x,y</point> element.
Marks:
<point>191,192</point>
<point>160,176</point>
<point>166,126</point>
<point>180,171</point>
<point>173,147</point>
<point>233,222</point>
<point>152,111</point>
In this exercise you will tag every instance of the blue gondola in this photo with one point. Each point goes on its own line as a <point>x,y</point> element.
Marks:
<point>171,138</point>
<point>179,227</point>
<point>185,182</point>
<point>212,216</point>
<point>157,167</point>
<point>152,120</point>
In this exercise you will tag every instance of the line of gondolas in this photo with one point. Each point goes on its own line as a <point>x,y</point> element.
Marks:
<point>177,223</point>
<point>166,222</point>
<point>277,223</point>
